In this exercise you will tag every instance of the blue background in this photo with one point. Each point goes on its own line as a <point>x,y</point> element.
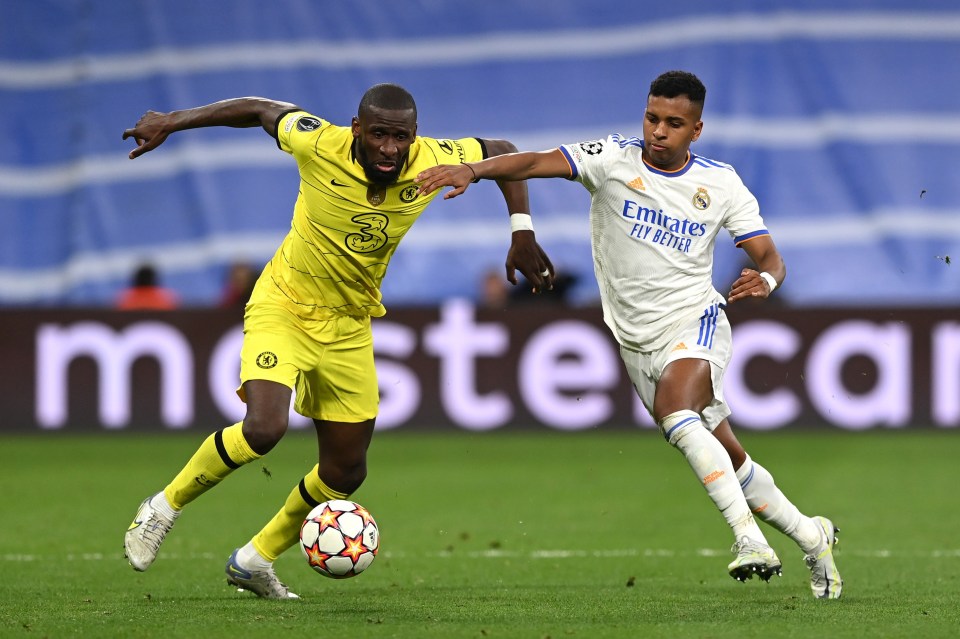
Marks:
<point>843,119</point>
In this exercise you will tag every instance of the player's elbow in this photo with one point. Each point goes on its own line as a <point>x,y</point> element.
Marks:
<point>499,147</point>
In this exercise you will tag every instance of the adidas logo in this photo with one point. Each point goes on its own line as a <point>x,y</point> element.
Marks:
<point>679,347</point>
<point>637,183</point>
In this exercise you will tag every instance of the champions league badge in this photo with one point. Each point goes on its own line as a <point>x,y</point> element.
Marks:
<point>592,148</point>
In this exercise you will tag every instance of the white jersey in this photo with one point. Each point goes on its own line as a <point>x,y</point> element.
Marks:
<point>652,234</point>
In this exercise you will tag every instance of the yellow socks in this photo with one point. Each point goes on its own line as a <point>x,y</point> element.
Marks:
<point>218,456</point>
<point>284,529</point>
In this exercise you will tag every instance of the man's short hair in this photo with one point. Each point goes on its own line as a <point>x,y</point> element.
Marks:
<point>676,83</point>
<point>392,97</point>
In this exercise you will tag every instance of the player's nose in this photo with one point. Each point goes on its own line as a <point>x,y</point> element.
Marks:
<point>389,148</point>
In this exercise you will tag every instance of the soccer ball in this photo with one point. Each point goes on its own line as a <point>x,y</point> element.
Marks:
<point>339,538</point>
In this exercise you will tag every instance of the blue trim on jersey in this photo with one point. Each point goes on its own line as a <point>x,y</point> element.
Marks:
<point>667,434</point>
<point>573,165</point>
<point>749,236</point>
<point>622,141</point>
<point>708,326</point>
<point>669,174</point>
<point>708,163</point>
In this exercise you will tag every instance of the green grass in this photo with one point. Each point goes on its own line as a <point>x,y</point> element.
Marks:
<point>486,536</point>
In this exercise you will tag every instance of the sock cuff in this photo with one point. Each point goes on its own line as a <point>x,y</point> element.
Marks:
<point>314,491</point>
<point>233,446</point>
<point>745,472</point>
<point>674,425</point>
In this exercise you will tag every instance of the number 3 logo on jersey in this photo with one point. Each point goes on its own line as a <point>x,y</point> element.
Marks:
<point>371,235</point>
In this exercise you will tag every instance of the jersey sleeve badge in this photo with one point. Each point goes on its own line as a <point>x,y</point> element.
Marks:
<point>594,147</point>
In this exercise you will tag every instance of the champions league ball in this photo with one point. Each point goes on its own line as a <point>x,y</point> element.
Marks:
<point>339,538</point>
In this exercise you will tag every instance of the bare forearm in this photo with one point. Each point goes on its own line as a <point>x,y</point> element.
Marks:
<point>521,166</point>
<point>768,259</point>
<point>236,112</point>
<point>153,128</point>
<point>515,195</point>
<point>774,266</point>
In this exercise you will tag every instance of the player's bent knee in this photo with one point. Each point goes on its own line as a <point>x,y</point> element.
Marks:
<point>263,433</point>
<point>344,478</point>
<point>678,425</point>
<point>345,482</point>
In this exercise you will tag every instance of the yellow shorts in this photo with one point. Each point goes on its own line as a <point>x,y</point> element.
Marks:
<point>327,363</point>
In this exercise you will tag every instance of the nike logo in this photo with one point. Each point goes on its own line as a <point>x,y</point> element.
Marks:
<point>337,183</point>
<point>234,570</point>
<point>136,518</point>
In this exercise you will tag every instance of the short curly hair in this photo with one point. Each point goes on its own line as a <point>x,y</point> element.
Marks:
<point>676,83</point>
<point>392,97</point>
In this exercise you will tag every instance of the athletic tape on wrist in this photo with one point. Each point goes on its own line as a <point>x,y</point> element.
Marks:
<point>520,222</point>
<point>769,279</point>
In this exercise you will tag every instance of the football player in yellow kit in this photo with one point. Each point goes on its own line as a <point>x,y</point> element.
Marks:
<point>307,324</point>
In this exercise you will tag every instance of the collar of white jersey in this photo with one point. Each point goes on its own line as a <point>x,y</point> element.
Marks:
<point>677,173</point>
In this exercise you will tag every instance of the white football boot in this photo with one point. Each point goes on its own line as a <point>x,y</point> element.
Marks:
<point>261,582</point>
<point>145,534</point>
<point>753,558</point>
<point>825,581</point>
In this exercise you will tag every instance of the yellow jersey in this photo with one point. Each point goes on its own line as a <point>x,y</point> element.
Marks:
<point>345,229</point>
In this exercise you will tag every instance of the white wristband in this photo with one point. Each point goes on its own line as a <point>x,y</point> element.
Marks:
<point>520,222</point>
<point>769,279</point>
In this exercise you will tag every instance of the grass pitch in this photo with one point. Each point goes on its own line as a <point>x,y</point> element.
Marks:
<point>486,536</point>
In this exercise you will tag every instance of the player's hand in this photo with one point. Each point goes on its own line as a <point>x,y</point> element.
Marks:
<point>748,285</point>
<point>149,132</point>
<point>526,256</point>
<point>459,176</point>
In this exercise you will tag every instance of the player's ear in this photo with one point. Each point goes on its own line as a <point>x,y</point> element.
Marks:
<point>697,130</point>
<point>355,126</point>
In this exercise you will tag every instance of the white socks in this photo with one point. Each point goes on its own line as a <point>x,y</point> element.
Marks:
<point>770,505</point>
<point>160,503</point>
<point>249,558</point>
<point>709,460</point>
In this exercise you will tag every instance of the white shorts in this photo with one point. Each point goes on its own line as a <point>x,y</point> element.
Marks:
<point>709,338</point>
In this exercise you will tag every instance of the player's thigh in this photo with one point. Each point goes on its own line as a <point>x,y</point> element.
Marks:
<point>687,374</point>
<point>689,370</point>
<point>685,384</point>
<point>341,385</point>
<point>273,347</point>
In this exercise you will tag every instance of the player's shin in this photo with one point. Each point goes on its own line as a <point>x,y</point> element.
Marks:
<point>770,504</point>
<point>218,456</point>
<point>283,530</point>
<point>685,431</point>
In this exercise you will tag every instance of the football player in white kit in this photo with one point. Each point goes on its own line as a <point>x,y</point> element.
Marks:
<point>656,210</point>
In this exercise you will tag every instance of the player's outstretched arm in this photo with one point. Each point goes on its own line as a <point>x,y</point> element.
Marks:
<point>509,166</point>
<point>753,283</point>
<point>154,127</point>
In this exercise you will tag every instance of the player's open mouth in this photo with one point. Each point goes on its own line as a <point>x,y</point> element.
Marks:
<point>386,167</point>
